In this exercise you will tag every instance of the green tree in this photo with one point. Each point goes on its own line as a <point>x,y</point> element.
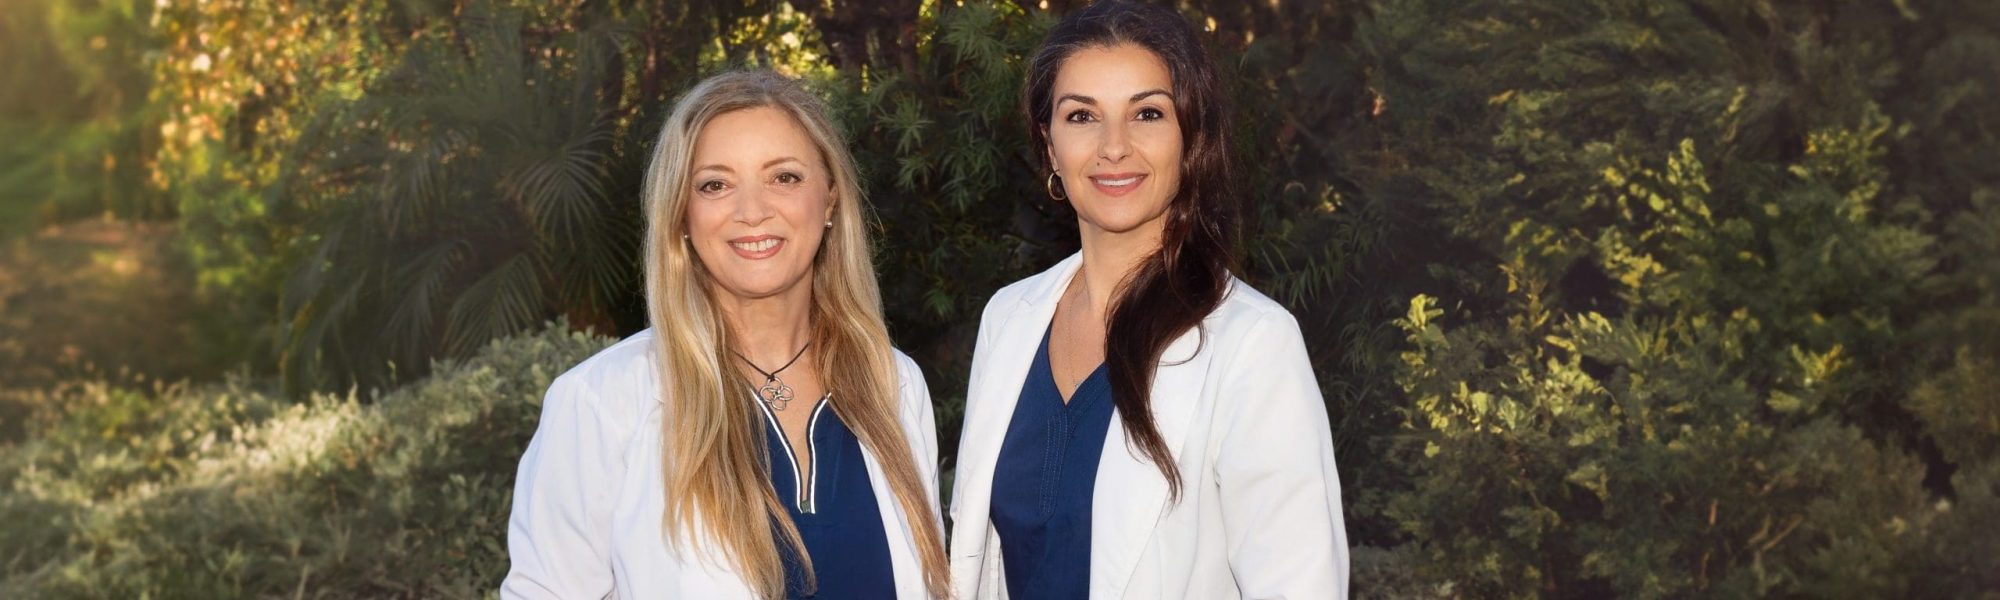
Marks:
<point>1677,352</point>
<point>73,107</point>
<point>464,196</point>
<point>473,174</point>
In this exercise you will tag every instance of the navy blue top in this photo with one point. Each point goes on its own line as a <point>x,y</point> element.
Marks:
<point>1043,484</point>
<point>835,511</point>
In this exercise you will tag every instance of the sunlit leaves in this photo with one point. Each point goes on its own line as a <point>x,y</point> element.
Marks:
<point>231,490</point>
<point>75,114</point>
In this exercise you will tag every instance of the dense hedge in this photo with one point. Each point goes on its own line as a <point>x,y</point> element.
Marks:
<point>229,491</point>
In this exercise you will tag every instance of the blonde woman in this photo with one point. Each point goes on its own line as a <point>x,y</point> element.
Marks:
<point>762,440</point>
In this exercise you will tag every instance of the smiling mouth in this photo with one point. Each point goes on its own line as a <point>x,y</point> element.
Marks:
<point>762,247</point>
<point>1117,184</point>
<point>757,246</point>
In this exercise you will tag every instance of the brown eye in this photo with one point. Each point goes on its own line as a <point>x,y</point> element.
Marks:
<point>1080,116</point>
<point>1151,114</point>
<point>711,186</point>
<point>789,177</point>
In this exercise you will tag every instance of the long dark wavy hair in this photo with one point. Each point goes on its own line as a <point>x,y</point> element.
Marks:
<point>1171,291</point>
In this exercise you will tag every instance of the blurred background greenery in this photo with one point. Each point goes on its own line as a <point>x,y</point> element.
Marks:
<point>1608,298</point>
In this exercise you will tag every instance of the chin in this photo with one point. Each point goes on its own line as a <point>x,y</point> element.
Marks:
<point>759,287</point>
<point>1124,221</point>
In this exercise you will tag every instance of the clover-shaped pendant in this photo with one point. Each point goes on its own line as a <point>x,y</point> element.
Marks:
<point>776,393</point>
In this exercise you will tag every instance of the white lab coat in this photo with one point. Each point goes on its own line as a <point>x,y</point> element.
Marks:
<point>586,521</point>
<point>1259,514</point>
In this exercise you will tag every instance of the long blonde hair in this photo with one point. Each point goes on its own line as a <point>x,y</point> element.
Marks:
<point>714,455</point>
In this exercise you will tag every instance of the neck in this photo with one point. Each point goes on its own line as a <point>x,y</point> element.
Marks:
<point>769,330</point>
<point>1108,257</point>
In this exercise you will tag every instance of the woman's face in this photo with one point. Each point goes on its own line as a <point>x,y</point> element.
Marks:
<point>1115,138</point>
<point>761,198</point>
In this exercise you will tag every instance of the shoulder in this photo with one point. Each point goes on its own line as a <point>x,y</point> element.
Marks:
<point>1017,292</point>
<point>1261,358</point>
<point>1255,331</point>
<point>1028,289</point>
<point>1249,320</point>
<point>1010,296</point>
<point>908,374</point>
<point>912,390</point>
<point>621,379</point>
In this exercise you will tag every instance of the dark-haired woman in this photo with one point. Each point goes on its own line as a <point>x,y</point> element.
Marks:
<point>1140,423</point>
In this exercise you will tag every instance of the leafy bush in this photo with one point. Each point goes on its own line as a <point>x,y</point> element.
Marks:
<point>1709,336</point>
<point>229,491</point>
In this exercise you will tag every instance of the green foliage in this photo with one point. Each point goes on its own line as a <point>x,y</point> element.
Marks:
<point>475,175</point>
<point>1961,409</point>
<point>944,155</point>
<point>236,82</point>
<point>1320,235</point>
<point>229,491</point>
<point>463,197</point>
<point>1683,360</point>
<point>74,112</point>
<point>1541,478</point>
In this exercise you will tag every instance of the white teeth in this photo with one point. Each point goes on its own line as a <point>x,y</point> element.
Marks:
<point>1120,182</point>
<point>758,246</point>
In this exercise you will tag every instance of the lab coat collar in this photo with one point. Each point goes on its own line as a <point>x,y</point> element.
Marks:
<point>1130,495</point>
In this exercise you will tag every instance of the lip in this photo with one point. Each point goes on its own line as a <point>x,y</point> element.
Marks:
<point>1126,183</point>
<point>737,245</point>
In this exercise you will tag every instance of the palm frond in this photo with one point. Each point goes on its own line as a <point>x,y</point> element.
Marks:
<point>423,280</point>
<point>506,299</point>
<point>563,192</point>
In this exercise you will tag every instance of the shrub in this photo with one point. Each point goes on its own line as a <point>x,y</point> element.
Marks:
<point>228,490</point>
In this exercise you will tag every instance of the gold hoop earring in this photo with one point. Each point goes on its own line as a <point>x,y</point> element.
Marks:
<point>1051,187</point>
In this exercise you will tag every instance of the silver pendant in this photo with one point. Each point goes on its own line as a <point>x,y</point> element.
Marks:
<point>776,393</point>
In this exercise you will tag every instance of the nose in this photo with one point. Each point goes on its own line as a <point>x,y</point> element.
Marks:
<point>752,205</point>
<point>1115,144</point>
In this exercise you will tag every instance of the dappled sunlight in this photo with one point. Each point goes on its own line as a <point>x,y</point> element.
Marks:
<point>96,297</point>
<point>157,484</point>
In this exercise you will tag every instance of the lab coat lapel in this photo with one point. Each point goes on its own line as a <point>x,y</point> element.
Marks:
<point>1130,495</point>
<point>995,390</point>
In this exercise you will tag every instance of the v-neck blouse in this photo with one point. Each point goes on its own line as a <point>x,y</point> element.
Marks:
<point>1044,481</point>
<point>834,509</point>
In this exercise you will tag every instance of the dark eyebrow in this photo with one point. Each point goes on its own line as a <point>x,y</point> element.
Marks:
<point>1084,99</point>
<point>1135,97</point>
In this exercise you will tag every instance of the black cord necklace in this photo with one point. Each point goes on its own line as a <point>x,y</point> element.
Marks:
<point>774,391</point>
